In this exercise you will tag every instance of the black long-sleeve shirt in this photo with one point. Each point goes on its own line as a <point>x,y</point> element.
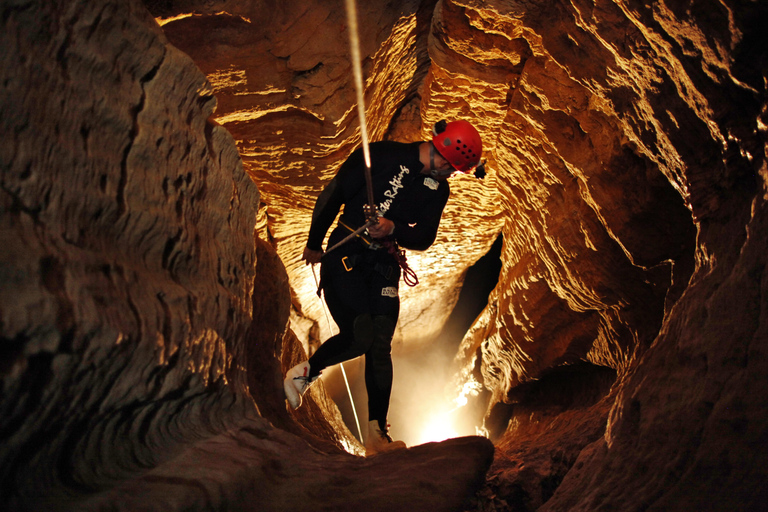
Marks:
<point>413,201</point>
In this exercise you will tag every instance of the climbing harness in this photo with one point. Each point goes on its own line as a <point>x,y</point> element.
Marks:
<point>409,275</point>
<point>343,372</point>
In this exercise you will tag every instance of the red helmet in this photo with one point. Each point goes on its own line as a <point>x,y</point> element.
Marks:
<point>459,143</point>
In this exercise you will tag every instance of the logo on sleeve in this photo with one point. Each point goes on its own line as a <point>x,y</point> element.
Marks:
<point>389,291</point>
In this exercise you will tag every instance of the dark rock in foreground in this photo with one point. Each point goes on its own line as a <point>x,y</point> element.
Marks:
<point>265,469</point>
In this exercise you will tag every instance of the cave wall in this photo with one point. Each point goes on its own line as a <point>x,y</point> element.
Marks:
<point>622,139</point>
<point>608,133</point>
<point>621,356</point>
<point>634,180</point>
<point>128,258</point>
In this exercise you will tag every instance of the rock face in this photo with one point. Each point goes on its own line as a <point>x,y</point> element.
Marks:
<point>157,184</point>
<point>128,260</point>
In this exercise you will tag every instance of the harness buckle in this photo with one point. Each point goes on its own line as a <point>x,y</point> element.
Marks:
<point>347,267</point>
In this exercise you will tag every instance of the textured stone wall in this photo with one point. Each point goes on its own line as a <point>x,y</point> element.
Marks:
<point>621,356</point>
<point>632,167</point>
<point>128,257</point>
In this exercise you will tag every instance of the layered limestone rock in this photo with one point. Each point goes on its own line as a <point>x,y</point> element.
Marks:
<point>618,364</point>
<point>602,124</point>
<point>634,173</point>
<point>128,257</point>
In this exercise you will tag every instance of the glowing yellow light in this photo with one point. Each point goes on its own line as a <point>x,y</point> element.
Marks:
<point>438,428</point>
<point>439,423</point>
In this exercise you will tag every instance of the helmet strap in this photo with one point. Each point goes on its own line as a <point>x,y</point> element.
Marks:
<point>442,174</point>
<point>435,173</point>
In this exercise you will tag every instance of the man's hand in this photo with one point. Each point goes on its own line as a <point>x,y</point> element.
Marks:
<point>311,256</point>
<point>385,227</point>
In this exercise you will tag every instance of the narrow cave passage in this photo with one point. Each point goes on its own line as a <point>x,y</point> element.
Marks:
<point>145,332</point>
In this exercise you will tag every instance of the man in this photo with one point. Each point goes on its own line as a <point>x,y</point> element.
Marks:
<point>360,278</point>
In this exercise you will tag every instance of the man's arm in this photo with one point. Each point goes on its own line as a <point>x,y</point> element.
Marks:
<point>420,236</point>
<point>328,204</point>
<point>346,182</point>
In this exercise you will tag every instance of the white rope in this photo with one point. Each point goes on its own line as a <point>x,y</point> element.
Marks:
<point>357,71</point>
<point>343,372</point>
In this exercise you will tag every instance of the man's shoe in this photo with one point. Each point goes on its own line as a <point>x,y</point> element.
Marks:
<point>379,440</point>
<point>296,383</point>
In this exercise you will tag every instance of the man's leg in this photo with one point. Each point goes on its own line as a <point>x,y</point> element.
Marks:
<point>351,342</point>
<point>339,348</point>
<point>378,369</point>
<point>378,381</point>
<point>346,294</point>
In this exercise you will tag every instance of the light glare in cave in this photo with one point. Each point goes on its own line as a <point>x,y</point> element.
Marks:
<point>438,427</point>
<point>430,401</point>
<point>442,423</point>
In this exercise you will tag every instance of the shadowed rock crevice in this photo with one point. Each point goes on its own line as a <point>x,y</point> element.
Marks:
<point>540,431</point>
<point>570,387</point>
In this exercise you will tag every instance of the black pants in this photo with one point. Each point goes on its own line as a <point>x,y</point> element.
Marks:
<point>361,290</point>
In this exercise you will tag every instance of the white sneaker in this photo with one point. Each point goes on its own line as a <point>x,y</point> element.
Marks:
<point>379,440</point>
<point>296,383</point>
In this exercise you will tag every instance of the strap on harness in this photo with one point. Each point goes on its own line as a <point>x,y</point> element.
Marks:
<point>409,275</point>
<point>349,263</point>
